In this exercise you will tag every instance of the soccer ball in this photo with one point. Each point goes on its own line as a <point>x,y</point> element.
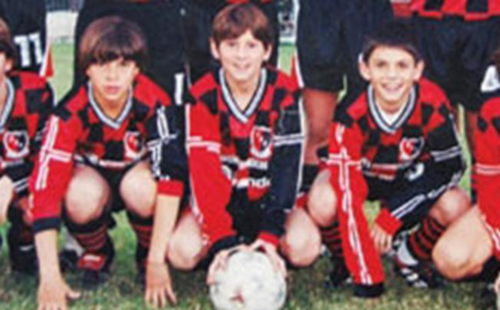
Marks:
<point>249,282</point>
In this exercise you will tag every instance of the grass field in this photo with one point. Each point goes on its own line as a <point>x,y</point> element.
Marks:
<point>306,290</point>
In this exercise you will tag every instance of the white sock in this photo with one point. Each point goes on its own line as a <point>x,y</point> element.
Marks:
<point>404,255</point>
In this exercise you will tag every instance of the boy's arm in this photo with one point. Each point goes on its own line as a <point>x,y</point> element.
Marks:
<point>284,170</point>
<point>360,255</point>
<point>488,169</point>
<point>168,165</point>
<point>48,184</point>
<point>211,188</point>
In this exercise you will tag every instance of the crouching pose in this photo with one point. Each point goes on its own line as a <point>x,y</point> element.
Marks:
<point>471,246</point>
<point>396,144</point>
<point>25,104</point>
<point>244,139</point>
<point>93,161</point>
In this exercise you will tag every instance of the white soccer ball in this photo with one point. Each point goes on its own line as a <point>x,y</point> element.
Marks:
<point>249,282</point>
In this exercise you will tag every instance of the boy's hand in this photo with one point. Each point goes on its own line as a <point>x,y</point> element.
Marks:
<point>271,252</point>
<point>220,260</point>
<point>382,240</point>
<point>159,285</point>
<point>53,294</point>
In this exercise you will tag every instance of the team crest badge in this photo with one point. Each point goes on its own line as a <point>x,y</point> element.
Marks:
<point>132,142</point>
<point>261,142</point>
<point>410,148</point>
<point>16,144</point>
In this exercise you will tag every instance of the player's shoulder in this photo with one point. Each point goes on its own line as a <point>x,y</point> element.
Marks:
<point>208,83</point>
<point>27,80</point>
<point>150,93</point>
<point>431,94</point>
<point>491,107</point>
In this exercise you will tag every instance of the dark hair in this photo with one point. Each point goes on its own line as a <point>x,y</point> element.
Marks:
<point>236,19</point>
<point>6,45</point>
<point>110,38</point>
<point>392,34</point>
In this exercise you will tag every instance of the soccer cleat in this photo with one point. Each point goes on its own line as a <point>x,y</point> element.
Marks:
<point>421,275</point>
<point>70,254</point>
<point>141,254</point>
<point>68,259</point>
<point>95,267</point>
<point>338,275</point>
<point>22,255</point>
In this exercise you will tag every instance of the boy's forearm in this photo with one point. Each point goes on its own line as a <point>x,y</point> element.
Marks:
<point>46,247</point>
<point>165,216</point>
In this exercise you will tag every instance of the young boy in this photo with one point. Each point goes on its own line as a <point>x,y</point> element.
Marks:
<point>471,246</point>
<point>244,140</point>
<point>93,162</point>
<point>25,103</point>
<point>396,144</point>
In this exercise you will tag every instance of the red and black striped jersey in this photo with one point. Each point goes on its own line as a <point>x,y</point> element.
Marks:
<point>79,130</point>
<point>488,166</point>
<point>252,154</point>
<point>23,116</point>
<point>363,145</point>
<point>468,9</point>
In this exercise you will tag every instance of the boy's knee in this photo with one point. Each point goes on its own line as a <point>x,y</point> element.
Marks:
<point>183,253</point>
<point>452,205</point>
<point>322,201</point>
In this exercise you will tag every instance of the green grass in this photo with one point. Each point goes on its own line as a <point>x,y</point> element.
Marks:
<point>306,290</point>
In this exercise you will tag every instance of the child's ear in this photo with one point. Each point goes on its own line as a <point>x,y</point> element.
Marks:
<point>364,70</point>
<point>269,51</point>
<point>419,70</point>
<point>214,48</point>
<point>9,64</point>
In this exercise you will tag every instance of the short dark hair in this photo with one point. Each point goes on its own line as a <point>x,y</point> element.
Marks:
<point>110,38</point>
<point>6,44</point>
<point>236,19</point>
<point>392,34</point>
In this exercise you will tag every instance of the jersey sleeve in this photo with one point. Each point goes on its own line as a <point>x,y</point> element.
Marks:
<point>488,169</point>
<point>284,168</point>
<point>211,189</point>
<point>167,156</point>
<point>344,163</point>
<point>39,105</point>
<point>53,169</point>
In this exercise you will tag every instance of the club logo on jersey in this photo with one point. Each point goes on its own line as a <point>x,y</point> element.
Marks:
<point>261,142</point>
<point>132,142</point>
<point>410,148</point>
<point>16,144</point>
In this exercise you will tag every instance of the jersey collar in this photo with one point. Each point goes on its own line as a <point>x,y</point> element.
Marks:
<point>9,105</point>
<point>113,123</point>
<point>243,115</point>
<point>377,113</point>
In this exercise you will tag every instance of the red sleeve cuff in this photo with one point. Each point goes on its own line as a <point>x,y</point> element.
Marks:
<point>388,222</point>
<point>174,188</point>
<point>269,238</point>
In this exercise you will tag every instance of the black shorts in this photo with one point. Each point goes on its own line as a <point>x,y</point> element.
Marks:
<point>330,38</point>
<point>198,27</point>
<point>457,53</point>
<point>161,23</point>
<point>411,201</point>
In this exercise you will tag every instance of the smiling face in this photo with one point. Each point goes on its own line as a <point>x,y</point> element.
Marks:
<point>111,81</point>
<point>241,58</point>
<point>391,71</point>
